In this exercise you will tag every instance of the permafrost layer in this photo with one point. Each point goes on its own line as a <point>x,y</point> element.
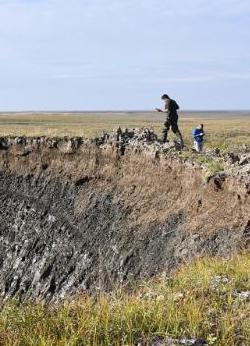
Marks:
<point>85,215</point>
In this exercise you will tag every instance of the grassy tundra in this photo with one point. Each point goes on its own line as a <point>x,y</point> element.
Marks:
<point>200,301</point>
<point>225,130</point>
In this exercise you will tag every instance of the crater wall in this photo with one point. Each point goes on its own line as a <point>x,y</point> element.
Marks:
<point>81,216</point>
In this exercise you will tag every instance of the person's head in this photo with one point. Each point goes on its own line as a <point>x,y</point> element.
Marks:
<point>165,97</point>
<point>200,126</point>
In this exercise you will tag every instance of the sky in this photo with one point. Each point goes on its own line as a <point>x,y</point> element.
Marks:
<point>124,54</point>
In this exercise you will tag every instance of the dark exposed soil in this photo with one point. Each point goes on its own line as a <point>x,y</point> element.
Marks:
<point>78,218</point>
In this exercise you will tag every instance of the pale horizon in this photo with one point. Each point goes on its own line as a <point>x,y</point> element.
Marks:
<point>109,55</point>
<point>62,111</point>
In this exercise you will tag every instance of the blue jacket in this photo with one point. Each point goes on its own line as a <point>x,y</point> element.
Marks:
<point>198,135</point>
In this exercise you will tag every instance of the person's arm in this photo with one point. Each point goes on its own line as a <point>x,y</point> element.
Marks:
<point>161,110</point>
<point>165,110</point>
<point>201,134</point>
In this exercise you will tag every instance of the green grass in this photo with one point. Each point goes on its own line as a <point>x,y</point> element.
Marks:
<point>197,301</point>
<point>222,131</point>
<point>213,165</point>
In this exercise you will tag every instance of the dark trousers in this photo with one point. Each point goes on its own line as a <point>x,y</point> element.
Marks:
<point>173,124</point>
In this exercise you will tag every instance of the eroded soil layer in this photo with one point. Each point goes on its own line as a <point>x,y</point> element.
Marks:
<point>86,218</point>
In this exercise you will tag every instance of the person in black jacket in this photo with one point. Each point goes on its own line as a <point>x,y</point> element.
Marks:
<point>170,108</point>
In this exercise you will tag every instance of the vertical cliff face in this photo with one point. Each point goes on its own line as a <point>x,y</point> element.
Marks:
<point>79,216</point>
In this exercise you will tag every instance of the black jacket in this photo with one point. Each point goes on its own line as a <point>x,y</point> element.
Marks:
<point>171,106</point>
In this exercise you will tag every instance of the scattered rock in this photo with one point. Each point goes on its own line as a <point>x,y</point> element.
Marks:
<point>243,296</point>
<point>161,341</point>
<point>137,140</point>
<point>245,169</point>
<point>177,296</point>
<point>219,280</point>
<point>231,158</point>
<point>244,160</point>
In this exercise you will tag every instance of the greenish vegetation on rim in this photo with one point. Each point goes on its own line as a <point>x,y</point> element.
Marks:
<point>226,132</point>
<point>201,300</point>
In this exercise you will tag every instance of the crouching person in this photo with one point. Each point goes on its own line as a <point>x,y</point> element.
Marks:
<point>198,136</point>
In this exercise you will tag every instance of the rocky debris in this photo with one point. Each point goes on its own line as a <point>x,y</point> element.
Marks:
<point>122,141</point>
<point>136,140</point>
<point>243,296</point>
<point>231,158</point>
<point>238,170</point>
<point>245,170</point>
<point>217,281</point>
<point>161,341</point>
<point>244,159</point>
<point>213,152</point>
<point>34,143</point>
<point>237,163</point>
<point>127,136</point>
<point>68,146</point>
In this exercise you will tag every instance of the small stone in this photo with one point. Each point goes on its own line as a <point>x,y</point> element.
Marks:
<point>178,296</point>
<point>243,296</point>
<point>161,341</point>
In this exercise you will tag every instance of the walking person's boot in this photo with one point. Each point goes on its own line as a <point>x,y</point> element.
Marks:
<point>179,135</point>
<point>165,136</point>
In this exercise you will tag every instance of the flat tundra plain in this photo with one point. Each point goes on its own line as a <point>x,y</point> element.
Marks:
<point>224,130</point>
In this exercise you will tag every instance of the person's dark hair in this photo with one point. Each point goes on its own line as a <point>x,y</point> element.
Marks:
<point>165,96</point>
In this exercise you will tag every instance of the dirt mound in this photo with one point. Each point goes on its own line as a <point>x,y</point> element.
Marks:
<point>84,215</point>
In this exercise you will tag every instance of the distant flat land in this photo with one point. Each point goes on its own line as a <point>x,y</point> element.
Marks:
<point>224,129</point>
